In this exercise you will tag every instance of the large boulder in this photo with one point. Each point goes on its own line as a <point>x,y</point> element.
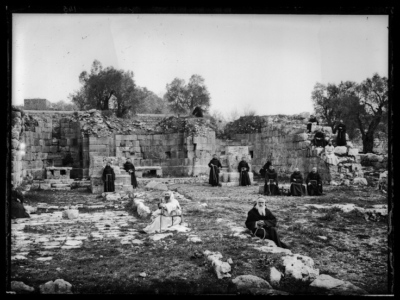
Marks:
<point>336,286</point>
<point>70,214</point>
<point>220,268</point>
<point>20,287</point>
<point>250,284</point>
<point>59,286</point>
<point>353,152</point>
<point>360,181</point>
<point>300,267</point>
<point>340,150</point>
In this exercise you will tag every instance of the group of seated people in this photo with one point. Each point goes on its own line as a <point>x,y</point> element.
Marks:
<point>313,182</point>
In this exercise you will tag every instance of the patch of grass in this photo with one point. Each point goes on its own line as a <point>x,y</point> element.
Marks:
<point>331,214</point>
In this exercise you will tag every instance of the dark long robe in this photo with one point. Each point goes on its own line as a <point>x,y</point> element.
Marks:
<point>296,187</point>
<point>314,190</point>
<point>129,166</point>
<point>341,134</point>
<point>310,121</point>
<point>108,180</point>
<point>264,169</point>
<point>319,139</point>
<point>271,189</point>
<point>214,172</point>
<point>270,223</point>
<point>244,178</point>
<point>198,112</point>
<point>17,208</point>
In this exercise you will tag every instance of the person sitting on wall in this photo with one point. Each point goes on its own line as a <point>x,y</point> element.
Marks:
<point>108,178</point>
<point>341,134</point>
<point>130,168</point>
<point>169,213</point>
<point>271,182</point>
<point>296,184</point>
<point>311,120</point>
<point>198,112</point>
<point>17,207</point>
<point>319,139</point>
<point>262,223</point>
<point>214,165</point>
<point>265,168</point>
<point>330,157</point>
<point>243,169</point>
<point>314,183</point>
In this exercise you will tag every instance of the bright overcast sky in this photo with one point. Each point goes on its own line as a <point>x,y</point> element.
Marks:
<point>265,62</point>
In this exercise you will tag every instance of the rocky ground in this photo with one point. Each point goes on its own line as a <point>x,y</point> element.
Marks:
<point>103,250</point>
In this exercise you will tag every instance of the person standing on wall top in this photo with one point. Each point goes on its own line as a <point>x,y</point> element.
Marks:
<point>198,112</point>
<point>243,168</point>
<point>311,120</point>
<point>108,178</point>
<point>341,134</point>
<point>130,168</point>
<point>214,165</point>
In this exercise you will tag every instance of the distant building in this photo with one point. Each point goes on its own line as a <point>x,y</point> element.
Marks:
<point>37,104</point>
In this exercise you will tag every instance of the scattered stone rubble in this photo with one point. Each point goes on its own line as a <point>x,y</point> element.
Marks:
<point>220,268</point>
<point>58,286</point>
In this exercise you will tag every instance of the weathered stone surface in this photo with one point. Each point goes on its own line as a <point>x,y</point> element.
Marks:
<point>353,152</point>
<point>59,286</point>
<point>194,239</point>
<point>347,288</point>
<point>360,181</point>
<point>220,268</point>
<point>70,214</point>
<point>112,196</point>
<point>326,282</point>
<point>300,267</point>
<point>250,284</point>
<point>336,286</point>
<point>274,276</point>
<point>156,186</point>
<point>20,287</point>
<point>160,236</point>
<point>340,150</point>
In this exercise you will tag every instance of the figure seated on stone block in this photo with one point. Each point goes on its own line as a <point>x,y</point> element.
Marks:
<point>264,169</point>
<point>296,184</point>
<point>262,223</point>
<point>17,207</point>
<point>168,214</point>
<point>214,165</point>
<point>314,183</point>
<point>271,182</point>
<point>312,119</point>
<point>130,168</point>
<point>198,112</point>
<point>108,178</point>
<point>319,139</point>
<point>330,157</point>
<point>243,169</point>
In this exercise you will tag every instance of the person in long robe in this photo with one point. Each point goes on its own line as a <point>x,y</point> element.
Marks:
<point>108,178</point>
<point>214,165</point>
<point>314,183</point>
<point>341,134</point>
<point>264,169</point>
<point>17,207</point>
<point>262,223</point>
<point>296,184</point>
<point>243,169</point>
<point>311,120</point>
<point>197,112</point>
<point>319,139</point>
<point>169,213</point>
<point>130,168</point>
<point>271,182</point>
<point>330,157</point>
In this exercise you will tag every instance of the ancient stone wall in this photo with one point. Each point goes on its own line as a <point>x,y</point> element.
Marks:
<point>37,104</point>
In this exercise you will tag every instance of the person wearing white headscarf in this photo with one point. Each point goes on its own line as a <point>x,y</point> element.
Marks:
<point>330,156</point>
<point>168,214</point>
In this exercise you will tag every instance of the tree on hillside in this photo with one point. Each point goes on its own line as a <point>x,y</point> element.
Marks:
<point>100,84</point>
<point>363,107</point>
<point>64,106</point>
<point>184,98</point>
<point>150,103</point>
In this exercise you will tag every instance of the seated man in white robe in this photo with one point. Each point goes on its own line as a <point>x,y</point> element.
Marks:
<point>168,214</point>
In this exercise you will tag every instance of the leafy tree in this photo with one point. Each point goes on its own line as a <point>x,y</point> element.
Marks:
<point>64,106</point>
<point>362,107</point>
<point>184,98</point>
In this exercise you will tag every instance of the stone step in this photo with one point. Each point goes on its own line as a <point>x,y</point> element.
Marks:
<point>60,185</point>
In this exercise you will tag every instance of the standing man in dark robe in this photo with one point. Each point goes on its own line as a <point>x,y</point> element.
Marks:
<point>214,165</point>
<point>311,120</point>
<point>341,134</point>
<point>130,168</point>
<point>296,184</point>
<point>271,182</point>
<point>108,178</point>
<point>262,223</point>
<point>197,112</point>
<point>243,168</point>
<point>314,183</point>
<point>319,139</point>
<point>264,169</point>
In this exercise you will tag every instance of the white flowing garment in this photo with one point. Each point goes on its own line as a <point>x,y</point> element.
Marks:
<point>162,218</point>
<point>330,156</point>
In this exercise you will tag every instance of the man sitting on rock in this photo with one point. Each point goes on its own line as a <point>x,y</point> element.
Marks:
<point>108,178</point>
<point>214,165</point>
<point>130,168</point>
<point>319,139</point>
<point>314,183</point>
<point>168,214</point>
<point>243,168</point>
<point>17,208</point>
<point>271,182</point>
<point>312,119</point>
<point>296,184</point>
<point>261,222</point>
<point>264,169</point>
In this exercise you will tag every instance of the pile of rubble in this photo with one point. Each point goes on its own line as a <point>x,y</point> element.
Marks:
<point>189,125</point>
<point>245,124</point>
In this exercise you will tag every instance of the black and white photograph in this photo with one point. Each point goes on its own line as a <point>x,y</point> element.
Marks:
<point>202,153</point>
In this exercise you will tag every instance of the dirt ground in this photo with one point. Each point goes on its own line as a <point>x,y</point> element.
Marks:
<point>354,250</point>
